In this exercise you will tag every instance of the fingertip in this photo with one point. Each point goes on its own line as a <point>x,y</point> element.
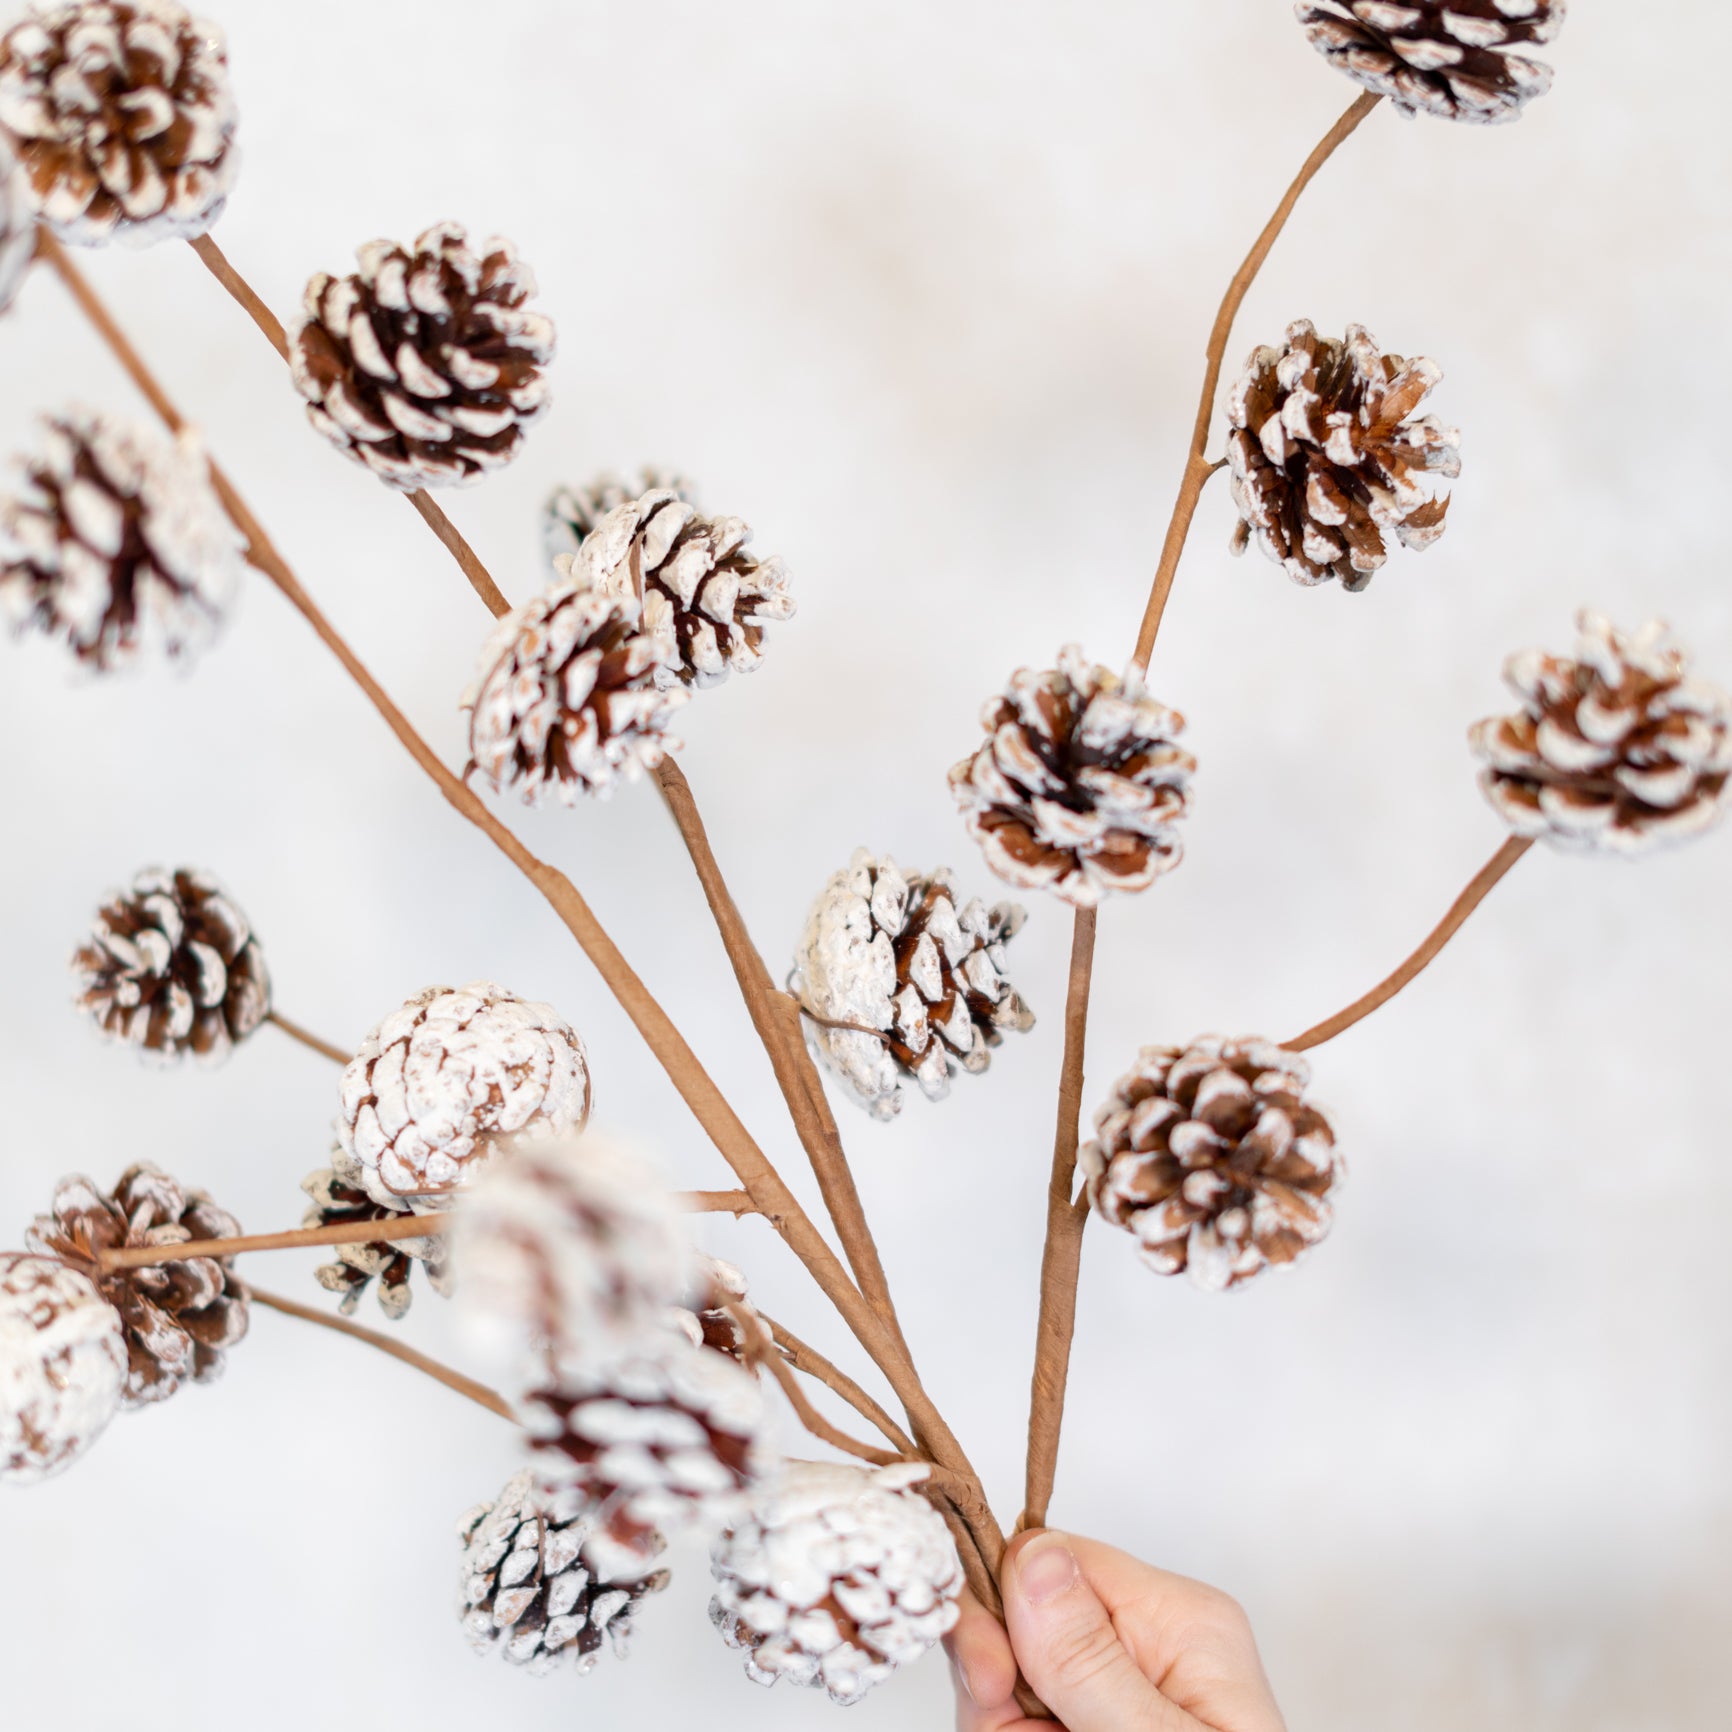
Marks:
<point>981,1655</point>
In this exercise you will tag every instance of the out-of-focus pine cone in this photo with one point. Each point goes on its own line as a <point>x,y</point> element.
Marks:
<point>62,1366</point>
<point>1615,750</point>
<point>123,116</point>
<point>920,977</point>
<point>1327,454</point>
<point>1211,1156</point>
<point>704,597</point>
<point>837,1577</point>
<point>117,543</point>
<point>1457,59</point>
<point>530,1590</point>
<point>426,365</point>
<point>180,1317</point>
<point>171,967</point>
<point>704,1318</point>
<point>340,1200</point>
<point>1080,784</point>
<point>17,227</point>
<point>446,1077</point>
<point>572,513</point>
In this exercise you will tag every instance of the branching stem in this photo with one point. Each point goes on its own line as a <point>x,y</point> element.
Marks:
<point>295,1032</point>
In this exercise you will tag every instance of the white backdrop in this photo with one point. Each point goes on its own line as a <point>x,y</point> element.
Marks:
<point>921,291</point>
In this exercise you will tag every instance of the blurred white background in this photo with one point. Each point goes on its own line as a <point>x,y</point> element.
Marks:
<point>921,291</point>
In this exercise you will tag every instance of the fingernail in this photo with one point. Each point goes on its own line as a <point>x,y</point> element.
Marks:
<point>962,1682</point>
<point>1044,1570</point>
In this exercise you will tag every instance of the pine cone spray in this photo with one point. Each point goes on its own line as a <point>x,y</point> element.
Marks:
<point>115,542</point>
<point>1080,785</point>
<point>340,1199</point>
<point>426,364</point>
<point>570,516</point>
<point>530,1590</point>
<point>1616,750</point>
<point>62,1367</point>
<point>1213,1158</point>
<point>895,953</point>
<point>124,118</point>
<point>838,1577</point>
<point>1456,59</point>
<point>17,227</point>
<point>1328,455</point>
<point>181,1318</point>
<point>171,967</point>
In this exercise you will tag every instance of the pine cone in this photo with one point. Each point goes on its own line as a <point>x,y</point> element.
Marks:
<point>425,364</point>
<point>837,1578</point>
<point>569,518</point>
<point>339,1199</point>
<point>441,1080</point>
<point>1452,58</point>
<point>180,1317</point>
<point>704,1319</point>
<point>124,119</point>
<point>62,1367</point>
<point>705,599</point>
<point>894,953</point>
<point>1326,454</point>
<point>530,1590</point>
<point>117,543</point>
<point>1080,784</point>
<point>1617,751</point>
<point>1213,1158</point>
<point>172,968</point>
<point>17,227</point>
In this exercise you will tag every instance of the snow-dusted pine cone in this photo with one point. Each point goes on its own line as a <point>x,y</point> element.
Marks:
<point>571,514</point>
<point>704,1319</point>
<point>122,113</point>
<point>340,1200</point>
<point>1457,59</point>
<point>443,1079</point>
<point>1615,750</point>
<point>896,953</point>
<point>837,1577</point>
<point>1080,784</point>
<point>171,967</point>
<point>529,1589</point>
<point>62,1366</point>
<point>1211,1156</point>
<point>426,365</point>
<point>180,1317</point>
<point>705,599</point>
<point>1327,454</point>
<point>17,227</point>
<point>117,543</point>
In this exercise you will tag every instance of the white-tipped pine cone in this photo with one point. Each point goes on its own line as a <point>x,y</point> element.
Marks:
<point>570,516</point>
<point>17,227</point>
<point>340,1199</point>
<point>1213,1159</point>
<point>704,1319</point>
<point>122,113</point>
<point>116,543</point>
<point>1616,750</point>
<point>1328,455</point>
<point>1080,785</point>
<point>838,1577</point>
<point>1457,59</point>
<point>895,954</point>
<point>425,365</point>
<point>62,1366</point>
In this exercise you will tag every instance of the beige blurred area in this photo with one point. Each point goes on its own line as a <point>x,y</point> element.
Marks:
<point>920,288</point>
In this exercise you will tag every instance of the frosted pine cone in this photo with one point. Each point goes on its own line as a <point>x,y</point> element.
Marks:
<point>340,1199</point>
<point>705,599</point>
<point>895,953</point>
<point>1327,455</point>
<point>572,513</point>
<point>17,227</point>
<point>123,116</point>
<point>426,365</point>
<point>1616,751</point>
<point>704,1319</point>
<point>117,543</point>
<point>837,1578</point>
<point>172,968</point>
<point>1080,784</point>
<point>1457,59</point>
<point>1213,1158</point>
<point>529,1587</point>
<point>62,1366</point>
<point>182,1317</point>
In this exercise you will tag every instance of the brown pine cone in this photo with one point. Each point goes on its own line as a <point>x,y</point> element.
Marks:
<point>124,118</point>
<point>1326,454</point>
<point>425,365</point>
<point>172,968</point>
<point>1614,751</point>
<point>340,1200</point>
<point>17,227</point>
<point>1213,1158</point>
<point>1080,784</point>
<point>569,518</point>
<point>705,1319</point>
<point>1456,59</point>
<point>180,1317</point>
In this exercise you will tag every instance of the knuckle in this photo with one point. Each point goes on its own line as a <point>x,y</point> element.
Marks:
<point>1081,1653</point>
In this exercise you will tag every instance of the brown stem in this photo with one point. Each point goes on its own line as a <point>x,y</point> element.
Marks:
<point>216,262</point>
<point>480,578</point>
<point>295,1032</point>
<point>816,1366</point>
<point>715,1202</point>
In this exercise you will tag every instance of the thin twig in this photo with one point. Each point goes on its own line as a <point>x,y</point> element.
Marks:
<point>295,1032</point>
<point>816,1366</point>
<point>480,578</point>
<point>216,262</point>
<point>715,1202</point>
